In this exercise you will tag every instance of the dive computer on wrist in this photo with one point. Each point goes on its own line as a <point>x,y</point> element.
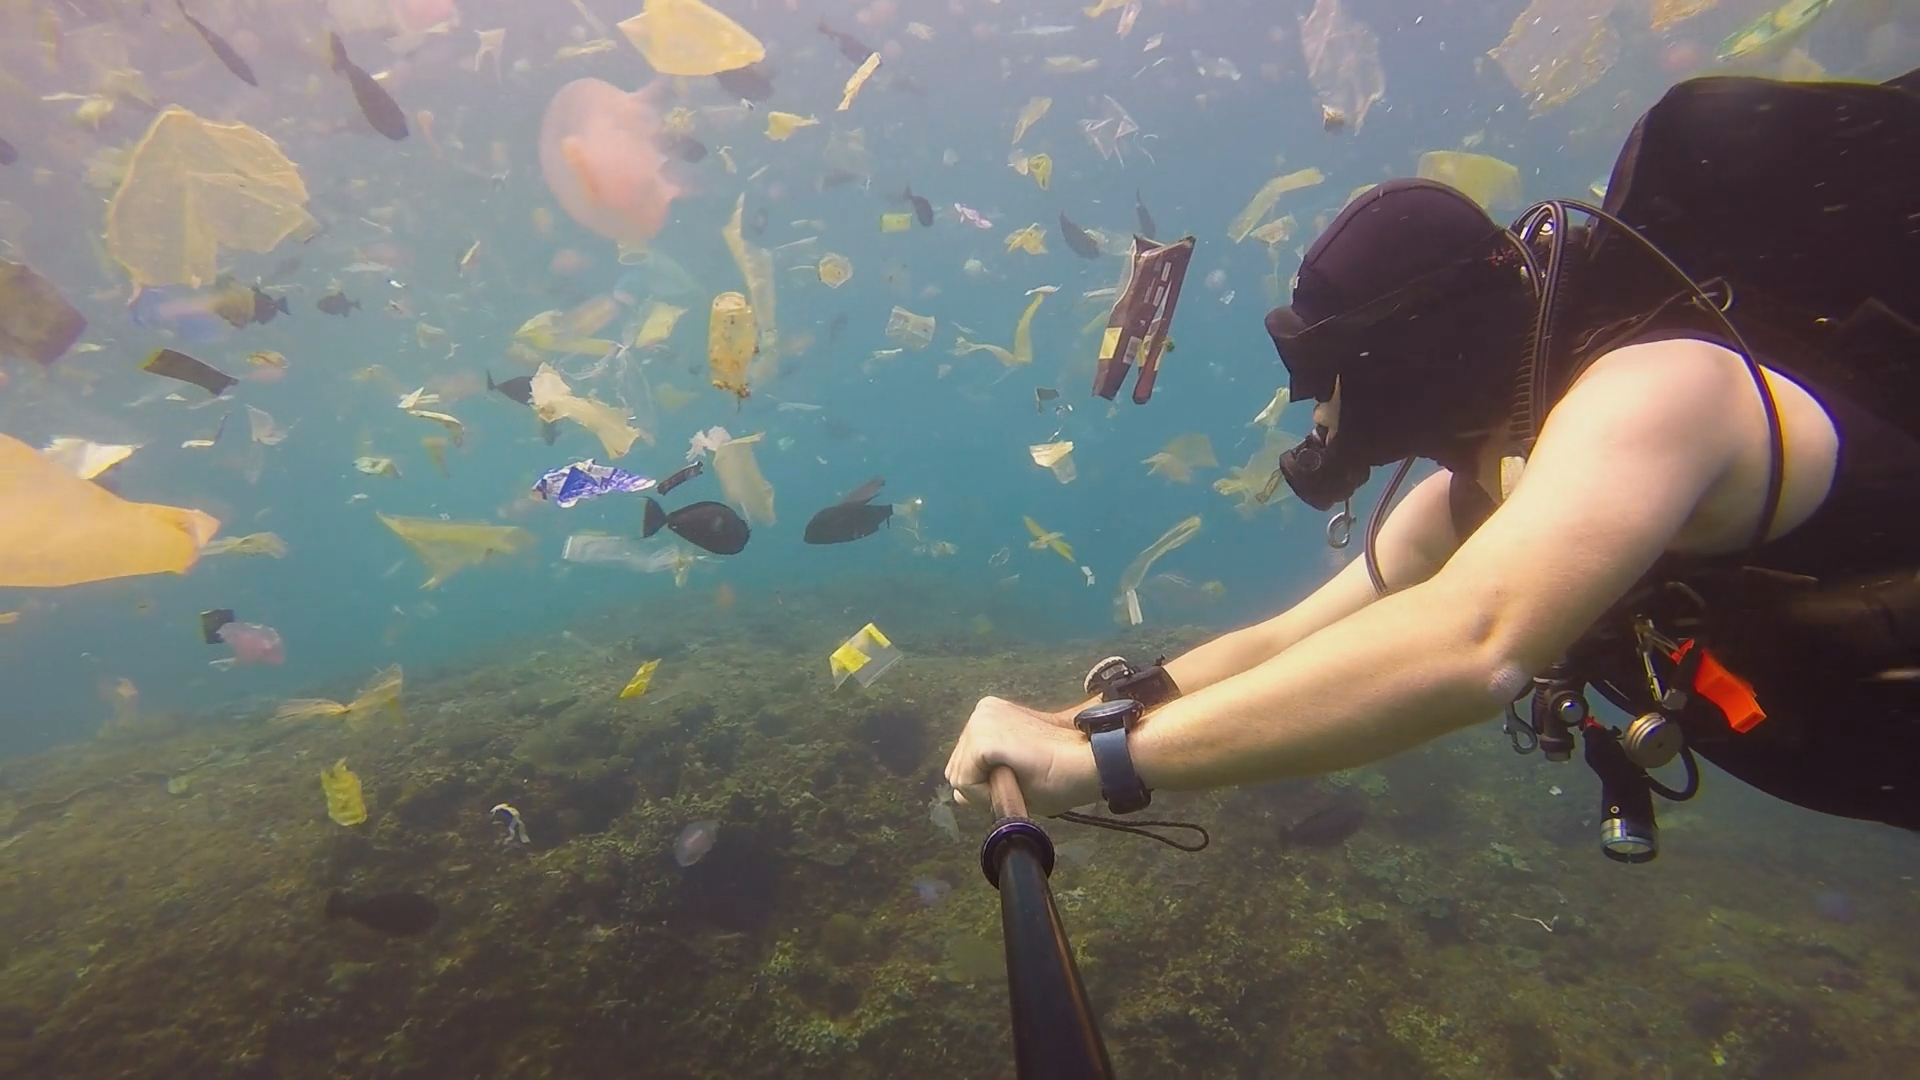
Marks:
<point>1107,726</point>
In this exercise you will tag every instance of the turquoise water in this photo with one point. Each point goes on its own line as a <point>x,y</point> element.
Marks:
<point>345,597</point>
<point>1221,95</point>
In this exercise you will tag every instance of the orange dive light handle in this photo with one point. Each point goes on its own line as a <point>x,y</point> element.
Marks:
<point>1730,693</point>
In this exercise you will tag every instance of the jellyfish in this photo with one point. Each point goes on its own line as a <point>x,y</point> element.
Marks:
<point>599,157</point>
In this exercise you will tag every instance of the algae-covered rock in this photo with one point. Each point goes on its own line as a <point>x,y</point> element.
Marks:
<point>843,940</point>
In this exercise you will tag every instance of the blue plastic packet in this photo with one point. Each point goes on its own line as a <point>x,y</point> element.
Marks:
<point>584,480</point>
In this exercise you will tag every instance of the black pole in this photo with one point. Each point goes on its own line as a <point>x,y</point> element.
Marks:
<point>1054,1034</point>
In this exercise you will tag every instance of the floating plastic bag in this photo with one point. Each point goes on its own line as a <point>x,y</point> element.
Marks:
<point>657,326</point>
<point>1492,183</point>
<point>380,696</point>
<point>642,679</point>
<point>1030,240</point>
<point>194,187</point>
<point>36,322</point>
<point>1127,599</point>
<point>57,529</point>
<point>1030,115</point>
<point>866,656</point>
<point>450,546</point>
<point>914,331</point>
<point>1057,456</point>
<point>756,266</point>
<point>1177,460</point>
<point>342,789</point>
<point>1264,199</point>
<point>835,269</point>
<point>686,37</point>
<point>554,400</point>
<point>1557,48</point>
<point>740,479</point>
<point>782,125</point>
<point>1343,63</point>
<point>85,459</point>
<point>263,543</point>
<point>731,342</point>
<point>610,550</point>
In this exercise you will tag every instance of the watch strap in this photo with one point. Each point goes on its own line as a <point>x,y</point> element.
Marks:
<point>1120,784</point>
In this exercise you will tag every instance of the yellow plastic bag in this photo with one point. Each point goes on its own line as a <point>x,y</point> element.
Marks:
<point>1489,181</point>
<point>57,529</point>
<point>686,37</point>
<point>193,187</point>
<point>731,343</point>
<point>866,656</point>
<point>450,546</point>
<point>642,679</point>
<point>1264,199</point>
<point>342,789</point>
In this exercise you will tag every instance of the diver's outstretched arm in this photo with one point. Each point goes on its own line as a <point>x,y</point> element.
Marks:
<point>1414,542</point>
<point>1622,465</point>
<point>1624,462</point>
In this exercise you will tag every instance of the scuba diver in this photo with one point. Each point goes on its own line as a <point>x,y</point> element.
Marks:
<point>1679,451</point>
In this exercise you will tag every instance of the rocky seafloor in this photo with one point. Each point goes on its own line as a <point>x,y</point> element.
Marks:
<point>161,893</point>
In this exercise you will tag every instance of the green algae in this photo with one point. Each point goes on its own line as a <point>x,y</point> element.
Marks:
<point>192,918</point>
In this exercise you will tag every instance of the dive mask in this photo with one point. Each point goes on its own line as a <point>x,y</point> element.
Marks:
<point>1318,474</point>
<point>1420,369</point>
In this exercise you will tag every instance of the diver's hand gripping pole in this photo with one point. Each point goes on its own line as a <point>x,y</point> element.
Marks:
<point>1054,1034</point>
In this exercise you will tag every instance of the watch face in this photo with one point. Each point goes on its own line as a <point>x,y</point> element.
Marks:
<point>1106,716</point>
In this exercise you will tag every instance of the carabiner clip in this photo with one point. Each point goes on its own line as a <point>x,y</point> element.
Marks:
<point>1340,528</point>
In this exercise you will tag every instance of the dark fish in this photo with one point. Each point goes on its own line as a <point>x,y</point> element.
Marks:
<point>679,478</point>
<point>835,327</point>
<point>8,155</point>
<point>178,365</point>
<point>756,225</point>
<point>1329,825</point>
<point>233,60</point>
<point>1083,245</point>
<point>375,103</point>
<point>685,147</point>
<point>904,83</point>
<point>211,622</point>
<point>336,303</point>
<point>833,178</point>
<point>1140,212</point>
<point>519,388</point>
<point>922,209</point>
<point>395,914</point>
<point>710,525</point>
<point>753,82</point>
<point>265,307</point>
<point>549,431</point>
<point>850,47</point>
<point>851,518</point>
<point>1042,395</point>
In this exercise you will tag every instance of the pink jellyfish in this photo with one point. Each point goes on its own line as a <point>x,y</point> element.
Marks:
<point>254,644</point>
<point>598,154</point>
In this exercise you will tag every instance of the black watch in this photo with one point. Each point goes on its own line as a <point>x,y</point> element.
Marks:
<point>1106,726</point>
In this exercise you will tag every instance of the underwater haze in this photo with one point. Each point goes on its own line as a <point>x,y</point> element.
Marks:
<point>316,564</point>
